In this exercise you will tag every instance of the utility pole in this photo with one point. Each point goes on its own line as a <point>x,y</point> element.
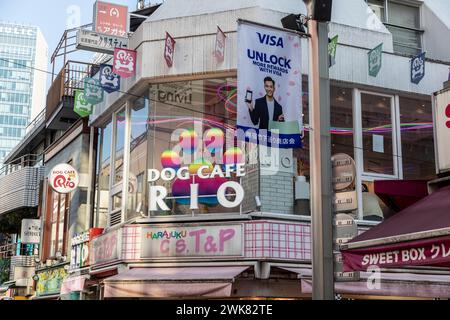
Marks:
<point>320,155</point>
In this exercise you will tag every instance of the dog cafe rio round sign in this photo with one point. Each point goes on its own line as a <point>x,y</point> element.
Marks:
<point>63,178</point>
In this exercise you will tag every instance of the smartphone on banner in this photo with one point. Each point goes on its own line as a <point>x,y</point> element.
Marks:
<point>249,96</point>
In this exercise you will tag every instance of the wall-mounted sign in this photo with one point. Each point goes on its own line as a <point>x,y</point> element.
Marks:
<point>169,49</point>
<point>79,256</point>
<point>418,68</point>
<point>219,51</point>
<point>442,130</point>
<point>344,229</point>
<point>99,42</point>
<point>30,231</point>
<point>63,178</point>
<point>344,171</point>
<point>339,274</point>
<point>269,101</point>
<point>17,30</point>
<point>345,201</point>
<point>111,18</point>
<point>124,62</point>
<point>93,92</point>
<point>80,105</point>
<point>109,81</point>
<point>104,248</point>
<point>50,281</point>
<point>202,241</point>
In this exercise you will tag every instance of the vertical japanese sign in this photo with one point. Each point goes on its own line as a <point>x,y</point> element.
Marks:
<point>418,68</point>
<point>109,81</point>
<point>110,18</point>
<point>124,62</point>
<point>81,106</point>
<point>169,50</point>
<point>219,51</point>
<point>269,86</point>
<point>332,46</point>
<point>375,60</point>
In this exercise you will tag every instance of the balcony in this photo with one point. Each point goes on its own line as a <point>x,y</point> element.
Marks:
<point>59,113</point>
<point>19,184</point>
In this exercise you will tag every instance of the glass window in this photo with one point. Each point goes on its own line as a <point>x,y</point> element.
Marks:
<point>378,8</point>
<point>119,142</point>
<point>103,169</point>
<point>188,128</point>
<point>417,139</point>
<point>138,158</point>
<point>341,121</point>
<point>377,124</point>
<point>58,215</point>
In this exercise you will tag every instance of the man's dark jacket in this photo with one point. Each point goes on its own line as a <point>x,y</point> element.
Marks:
<point>260,114</point>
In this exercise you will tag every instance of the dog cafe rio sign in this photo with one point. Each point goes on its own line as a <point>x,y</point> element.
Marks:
<point>63,178</point>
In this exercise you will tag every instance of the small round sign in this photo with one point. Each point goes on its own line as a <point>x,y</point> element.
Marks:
<point>344,171</point>
<point>63,178</point>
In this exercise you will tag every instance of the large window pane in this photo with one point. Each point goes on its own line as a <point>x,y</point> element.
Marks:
<point>103,169</point>
<point>377,134</point>
<point>119,142</point>
<point>404,16</point>
<point>138,157</point>
<point>378,8</point>
<point>341,121</point>
<point>417,139</point>
<point>183,115</point>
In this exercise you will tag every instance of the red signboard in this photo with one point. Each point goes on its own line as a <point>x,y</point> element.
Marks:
<point>169,50</point>
<point>110,18</point>
<point>219,51</point>
<point>430,252</point>
<point>124,62</point>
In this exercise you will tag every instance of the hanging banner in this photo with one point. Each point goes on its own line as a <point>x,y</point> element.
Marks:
<point>332,46</point>
<point>124,62</point>
<point>418,68</point>
<point>109,81</point>
<point>442,130</point>
<point>219,51</point>
<point>81,106</point>
<point>111,18</point>
<point>269,86</point>
<point>375,59</point>
<point>169,50</point>
<point>93,92</point>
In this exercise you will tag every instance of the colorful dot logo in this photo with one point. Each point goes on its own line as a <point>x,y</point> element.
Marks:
<point>170,159</point>
<point>233,156</point>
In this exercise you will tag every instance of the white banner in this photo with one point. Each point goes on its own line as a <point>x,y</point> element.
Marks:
<point>269,85</point>
<point>31,231</point>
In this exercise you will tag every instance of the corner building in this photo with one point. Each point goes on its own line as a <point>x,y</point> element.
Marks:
<point>263,247</point>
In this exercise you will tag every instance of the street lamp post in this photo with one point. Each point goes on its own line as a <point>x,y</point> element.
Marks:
<point>320,155</point>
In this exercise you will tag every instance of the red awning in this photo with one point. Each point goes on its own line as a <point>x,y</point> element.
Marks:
<point>400,194</point>
<point>418,235</point>
<point>173,282</point>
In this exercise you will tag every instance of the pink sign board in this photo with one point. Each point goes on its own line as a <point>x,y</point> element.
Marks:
<point>169,50</point>
<point>225,240</point>
<point>104,248</point>
<point>124,63</point>
<point>110,18</point>
<point>430,252</point>
<point>219,51</point>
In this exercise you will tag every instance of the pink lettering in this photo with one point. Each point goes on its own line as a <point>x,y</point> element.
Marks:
<point>197,234</point>
<point>180,246</point>
<point>225,235</point>
<point>162,247</point>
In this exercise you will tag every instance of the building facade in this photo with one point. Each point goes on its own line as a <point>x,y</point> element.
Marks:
<point>23,78</point>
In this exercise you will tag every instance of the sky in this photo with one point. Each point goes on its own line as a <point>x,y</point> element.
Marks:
<point>53,17</point>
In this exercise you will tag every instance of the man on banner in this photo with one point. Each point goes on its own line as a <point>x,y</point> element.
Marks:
<point>267,107</point>
<point>269,101</point>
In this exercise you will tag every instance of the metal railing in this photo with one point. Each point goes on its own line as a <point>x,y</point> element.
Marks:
<point>28,160</point>
<point>69,79</point>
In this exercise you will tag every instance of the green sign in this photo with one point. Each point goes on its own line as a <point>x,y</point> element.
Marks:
<point>375,58</point>
<point>50,281</point>
<point>81,106</point>
<point>332,46</point>
<point>93,91</point>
